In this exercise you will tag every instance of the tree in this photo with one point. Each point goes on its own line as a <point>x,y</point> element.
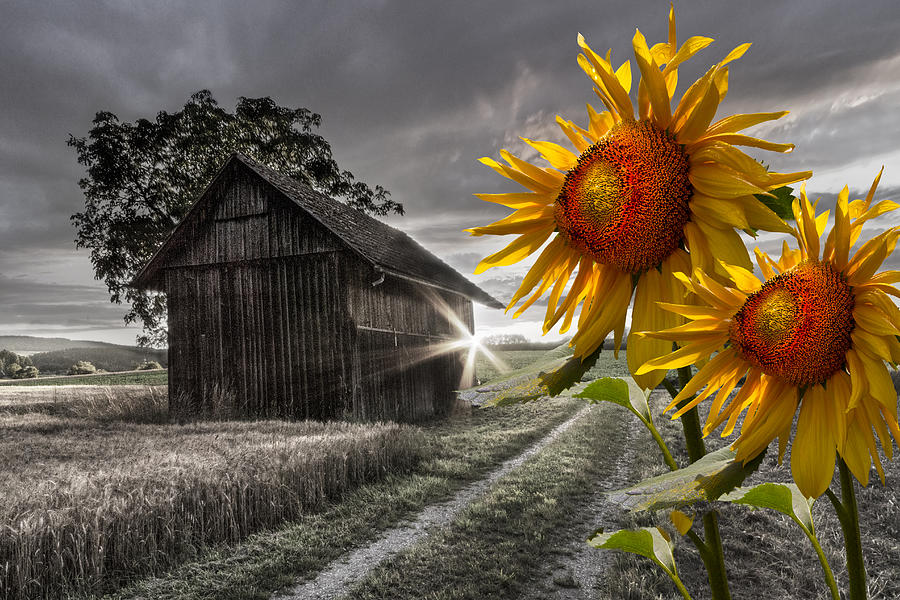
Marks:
<point>27,372</point>
<point>143,176</point>
<point>82,367</point>
<point>10,363</point>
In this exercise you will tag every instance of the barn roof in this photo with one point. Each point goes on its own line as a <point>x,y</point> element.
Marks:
<point>379,244</point>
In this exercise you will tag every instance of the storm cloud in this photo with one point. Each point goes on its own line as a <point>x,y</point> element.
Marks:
<point>411,95</point>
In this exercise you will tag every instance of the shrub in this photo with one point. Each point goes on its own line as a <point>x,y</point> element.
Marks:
<point>28,372</point>
<point>148,365</point>
<point>82,367</point>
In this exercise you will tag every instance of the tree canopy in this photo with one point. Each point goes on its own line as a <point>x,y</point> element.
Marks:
<point>142,178</point>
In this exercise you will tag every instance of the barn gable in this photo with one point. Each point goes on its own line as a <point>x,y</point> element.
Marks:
<point>283,302</point>
<point>385,248</point>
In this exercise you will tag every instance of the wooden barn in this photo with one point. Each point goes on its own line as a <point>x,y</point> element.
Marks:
<point>283,302</point>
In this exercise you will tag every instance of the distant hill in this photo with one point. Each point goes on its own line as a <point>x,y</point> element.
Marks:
<point>56,355</point>
<point>30,344</point>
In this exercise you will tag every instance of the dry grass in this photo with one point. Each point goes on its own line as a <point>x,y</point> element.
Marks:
<point>136,403</point>
<point>89,503</point>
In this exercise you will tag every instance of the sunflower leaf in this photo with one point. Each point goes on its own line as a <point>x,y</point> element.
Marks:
<point>650,542</point>
<point>569,373</point>
<point>623,392</point>
<point>715,474</point>
<point>781,203</point>
<point>785,498</point>
<point>550,375</point>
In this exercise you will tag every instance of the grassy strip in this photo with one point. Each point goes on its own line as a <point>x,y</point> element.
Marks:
<point>155,377</point>
<point>494,548</point>
<point>86,508</point>
<point>763,549</point>
<point>133,403</point>
<point>461,450</point>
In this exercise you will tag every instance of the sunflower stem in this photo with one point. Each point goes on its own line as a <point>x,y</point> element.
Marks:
<point>826,569</point>
<point>714,558</point>
<point>856,568</point>
<point>667,455</point>
<point>690,422</point>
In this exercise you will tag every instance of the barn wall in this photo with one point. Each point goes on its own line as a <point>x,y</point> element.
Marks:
<point>249,221</point>
<point>271,316</point>
<point>404,366</point>
<point>260,339</point>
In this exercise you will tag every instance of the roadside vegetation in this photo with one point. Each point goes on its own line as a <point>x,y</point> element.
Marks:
<point>764,550</point>
<point>494,547</point>
<point>88,505</point>
<point>456,451</point>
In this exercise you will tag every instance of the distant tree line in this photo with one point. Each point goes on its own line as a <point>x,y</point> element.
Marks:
<point>80,361</point>
<point>14,366</point>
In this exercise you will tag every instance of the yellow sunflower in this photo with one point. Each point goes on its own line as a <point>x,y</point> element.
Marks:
<point>816,334</point>
<point>644,189</point>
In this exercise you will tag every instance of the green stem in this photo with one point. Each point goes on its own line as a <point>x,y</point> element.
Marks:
<point>829,576</point>
<point>690,422</point>
<point>667,455</point>
<point>714,559</point>
<point>681,588</point>
<point>856,568</point>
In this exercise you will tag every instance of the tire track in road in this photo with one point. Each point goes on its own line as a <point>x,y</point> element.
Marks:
<point>336,579</point>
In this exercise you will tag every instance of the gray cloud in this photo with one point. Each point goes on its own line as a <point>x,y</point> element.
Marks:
<point>413,93</point>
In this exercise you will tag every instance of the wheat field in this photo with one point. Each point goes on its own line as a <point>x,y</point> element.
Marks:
<point>89,502</point>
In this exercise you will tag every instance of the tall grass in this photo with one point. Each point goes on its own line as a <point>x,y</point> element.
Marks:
<point>86,505</point>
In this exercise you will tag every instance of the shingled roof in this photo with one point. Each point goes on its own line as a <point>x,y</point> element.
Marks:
<point>384,247</point>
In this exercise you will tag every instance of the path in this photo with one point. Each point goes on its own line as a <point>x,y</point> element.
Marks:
<point>577,567</point>
<point>337,579</point>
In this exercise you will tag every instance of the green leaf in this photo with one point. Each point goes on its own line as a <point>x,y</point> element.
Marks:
<point>550,375</point>
<point>650,542</point>
<point>715,474</point>
<point>624,392</point>
<point>781,203</point>
<point>785,498</point>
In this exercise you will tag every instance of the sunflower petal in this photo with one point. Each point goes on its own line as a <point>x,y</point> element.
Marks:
<point>694,126</point>
<point>813,452</point>
<point>556,155</point>
<point>521,247</point>
<point>737,139</point>
<point>654,81</point>
<point>735,123</point>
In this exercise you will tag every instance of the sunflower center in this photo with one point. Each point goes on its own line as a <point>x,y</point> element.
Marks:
<point>626,201</point>
<point>797,326</point>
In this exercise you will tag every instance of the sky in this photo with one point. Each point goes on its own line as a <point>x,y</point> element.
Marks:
<point>411,95</point>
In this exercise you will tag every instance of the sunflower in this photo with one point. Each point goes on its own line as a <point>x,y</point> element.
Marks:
<point>649,193</point>
<point>815,335</point>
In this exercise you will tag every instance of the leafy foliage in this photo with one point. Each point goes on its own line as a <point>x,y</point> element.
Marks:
<point>149,365</point>
<point>11,363</point>
<point>617,391</point>
<point>82,367</point>
<point>781,203</point>
<point>715,474</point>
<point>27,372</point>
<point>785,498</point>
<point>111,358</point>
<point>143,176</point>
<point>650,542</point>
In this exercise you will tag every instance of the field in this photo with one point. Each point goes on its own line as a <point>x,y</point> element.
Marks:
<point>99,489</point>
<point>152,377</point>
<point>88,503</point>
<point>486,370</point>
<point>100,492</point>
